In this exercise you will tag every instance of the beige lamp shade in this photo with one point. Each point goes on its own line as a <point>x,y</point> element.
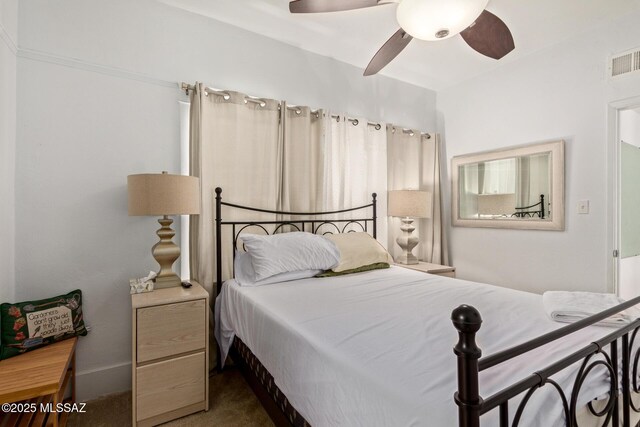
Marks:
<point>163,194</point>
<point>409,203</point>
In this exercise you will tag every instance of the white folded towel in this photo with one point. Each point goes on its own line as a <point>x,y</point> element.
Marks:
<point>569,307</point>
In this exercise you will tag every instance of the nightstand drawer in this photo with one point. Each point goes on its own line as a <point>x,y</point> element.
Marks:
<point>170,385</point>
<point>171,329</point>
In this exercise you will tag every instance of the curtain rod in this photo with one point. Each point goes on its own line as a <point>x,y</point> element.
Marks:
<point>226,95</point>
<point>411,132</point>
<point>262,102</point>
<point>356,122</point>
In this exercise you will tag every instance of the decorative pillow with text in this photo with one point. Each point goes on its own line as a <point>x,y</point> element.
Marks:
<point>29,325</point>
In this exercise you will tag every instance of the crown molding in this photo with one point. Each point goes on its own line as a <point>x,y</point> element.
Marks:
<point>36,55</point>
<point>40,56</point>
<point>8,40</point>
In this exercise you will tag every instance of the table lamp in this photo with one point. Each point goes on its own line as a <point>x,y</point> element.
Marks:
<point>408,204</point>
<point>163,195</point>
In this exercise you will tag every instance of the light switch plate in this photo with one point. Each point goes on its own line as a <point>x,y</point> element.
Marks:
<point>583,207</point>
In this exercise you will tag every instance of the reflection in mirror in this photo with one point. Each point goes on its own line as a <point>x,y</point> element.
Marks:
<point>517,187</point>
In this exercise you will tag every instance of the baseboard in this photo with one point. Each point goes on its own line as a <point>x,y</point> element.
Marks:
<point>103,381</point>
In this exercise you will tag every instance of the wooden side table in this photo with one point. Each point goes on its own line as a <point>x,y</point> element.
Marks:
<point>38,380</point>
<point>426,267</point>
<point>170,354</point>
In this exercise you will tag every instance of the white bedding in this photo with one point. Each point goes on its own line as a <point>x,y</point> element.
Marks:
<point>375,348</point>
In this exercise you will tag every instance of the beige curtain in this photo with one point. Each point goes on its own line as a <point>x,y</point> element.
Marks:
<point>269,155</point>
<point>522,179</point>
<point>303,134</point>
<point>335,170</point>
<point>356,167</point>
<point>435,248</point>
<point>195,167</point>
<point>332,162</point>
<point>414,163</point>
<point>532,180</point>
<point>235,145</point>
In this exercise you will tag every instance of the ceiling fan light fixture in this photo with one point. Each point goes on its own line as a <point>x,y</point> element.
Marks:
<point>438,19</point>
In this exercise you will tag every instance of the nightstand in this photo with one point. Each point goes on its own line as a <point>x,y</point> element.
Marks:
<point>426,267</point>
<point>170,367</point>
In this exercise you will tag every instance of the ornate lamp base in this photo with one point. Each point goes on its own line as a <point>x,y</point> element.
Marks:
<point>407,242</point>
<point>166,253</point>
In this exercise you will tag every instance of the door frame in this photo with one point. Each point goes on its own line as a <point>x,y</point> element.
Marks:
<point>613,187</point>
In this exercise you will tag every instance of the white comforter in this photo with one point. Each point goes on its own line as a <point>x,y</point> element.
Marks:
<point>375,348</point>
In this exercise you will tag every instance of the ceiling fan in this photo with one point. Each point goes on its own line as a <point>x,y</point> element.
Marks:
<point>430,20</point>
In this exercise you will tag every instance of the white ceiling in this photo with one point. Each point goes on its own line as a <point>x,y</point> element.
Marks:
<point>355,36</point>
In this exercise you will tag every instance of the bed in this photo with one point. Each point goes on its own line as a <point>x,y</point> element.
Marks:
<point>375,348</point>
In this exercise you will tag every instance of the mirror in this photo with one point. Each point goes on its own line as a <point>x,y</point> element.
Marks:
<point>520,187</point>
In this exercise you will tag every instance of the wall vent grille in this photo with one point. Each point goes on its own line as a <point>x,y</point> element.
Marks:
<point>625,63</point>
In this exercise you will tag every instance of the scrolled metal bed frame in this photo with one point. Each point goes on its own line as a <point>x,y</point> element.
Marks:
<point>467,321</point>
<point>309,225</point>
<point>471,406</point>
<point>525,212</point>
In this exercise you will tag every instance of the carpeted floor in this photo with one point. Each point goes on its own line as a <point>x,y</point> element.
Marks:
<point>231,403</point>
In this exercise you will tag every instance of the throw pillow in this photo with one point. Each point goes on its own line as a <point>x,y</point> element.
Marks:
<point>29,325</point>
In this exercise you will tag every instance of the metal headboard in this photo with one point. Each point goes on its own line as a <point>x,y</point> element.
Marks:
<point>526,212</point>
<point>310,225</point>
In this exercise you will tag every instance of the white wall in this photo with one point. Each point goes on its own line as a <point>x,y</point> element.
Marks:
<point>558,93</point>
<point>8,37</point>
<point>98,100</point>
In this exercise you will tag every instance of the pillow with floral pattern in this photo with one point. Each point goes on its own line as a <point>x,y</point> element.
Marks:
<point>29,325</point>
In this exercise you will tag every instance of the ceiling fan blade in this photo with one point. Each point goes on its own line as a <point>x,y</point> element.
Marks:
<point>489,35</point>
<point>317,6</point>
<point>388,52</point>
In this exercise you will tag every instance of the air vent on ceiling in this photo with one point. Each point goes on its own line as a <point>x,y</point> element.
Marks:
<point>625,63</point>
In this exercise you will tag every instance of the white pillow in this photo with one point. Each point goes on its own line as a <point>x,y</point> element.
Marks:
<point>358,250</point>
<point>297,251</point>
<point>245,276</point>
<point>242,268</point>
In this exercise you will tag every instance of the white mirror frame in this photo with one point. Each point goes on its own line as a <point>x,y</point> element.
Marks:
<point>555,148</point>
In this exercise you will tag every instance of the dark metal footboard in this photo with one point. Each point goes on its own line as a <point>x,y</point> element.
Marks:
<point>471,406</point>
